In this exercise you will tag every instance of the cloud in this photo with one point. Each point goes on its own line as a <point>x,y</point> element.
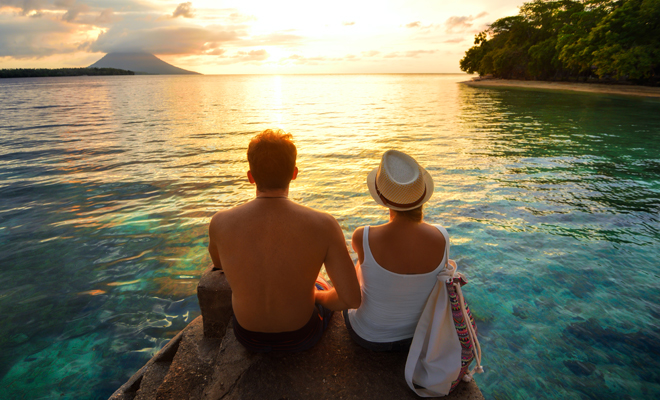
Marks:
<point>416,53</point>
<point>408,54</point>
<point>26,6</point>
<point>184,10</point>
<point>74,10</point>
<point>420,28</point>
<point>64,26</point>
<point>71,7</point>
<point>297,59</point>
<point>348,23</point>
<point>370,53</point>
<point>106,17</point>
<point>126,6</point>
<point>273,39</point>
<point>252,57</point>
<point>238,18</point>
<point>165,40</point>
<point>29,38</point>
<point>457,24</point>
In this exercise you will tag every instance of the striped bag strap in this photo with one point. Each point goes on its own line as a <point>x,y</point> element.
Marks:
<point>476,348</point>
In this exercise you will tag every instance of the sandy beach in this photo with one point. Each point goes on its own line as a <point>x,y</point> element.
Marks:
<point>638,91</point>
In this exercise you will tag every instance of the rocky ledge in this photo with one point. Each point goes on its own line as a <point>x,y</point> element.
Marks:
<point>205,361</point>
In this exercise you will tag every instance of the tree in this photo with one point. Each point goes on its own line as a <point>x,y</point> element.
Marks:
<point>563,39</point>
<point>626,42</point>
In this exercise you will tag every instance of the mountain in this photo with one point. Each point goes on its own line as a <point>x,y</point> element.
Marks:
<point>140,63</point>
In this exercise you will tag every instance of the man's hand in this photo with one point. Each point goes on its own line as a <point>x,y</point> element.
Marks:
<point>330,300</point>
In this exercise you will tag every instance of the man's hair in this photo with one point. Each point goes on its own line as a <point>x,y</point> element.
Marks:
<point>416,214</point>
<point>272,158</point>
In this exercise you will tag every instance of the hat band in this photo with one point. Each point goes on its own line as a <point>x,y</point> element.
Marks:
<point>399,205</point>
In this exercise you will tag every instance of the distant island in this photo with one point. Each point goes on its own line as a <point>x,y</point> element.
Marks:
<point>608,41</point>
<point>133,63</point>
<point>141,63</point>
<point>42,72</point>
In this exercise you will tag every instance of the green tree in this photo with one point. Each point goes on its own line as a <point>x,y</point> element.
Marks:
<point>573,54</point>
<point>564,39</point>
<point>626,42</point>
<point>42,72</point>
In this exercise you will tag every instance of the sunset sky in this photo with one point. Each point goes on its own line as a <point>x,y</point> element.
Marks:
<point>249,36</point>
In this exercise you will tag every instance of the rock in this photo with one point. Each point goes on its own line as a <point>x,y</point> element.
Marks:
<point>194,365</point>
<point>210,369</point>
<point>154,371</point>
<point>214,296</point>
<point>335,368</point>
<point>520,311</point>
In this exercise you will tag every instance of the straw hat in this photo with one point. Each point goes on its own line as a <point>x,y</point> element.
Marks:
<point>399,182</point>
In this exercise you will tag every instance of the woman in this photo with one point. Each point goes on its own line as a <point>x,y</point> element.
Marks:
<point>399,260</point>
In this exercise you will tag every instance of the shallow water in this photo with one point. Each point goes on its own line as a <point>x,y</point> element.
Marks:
<point>107,185</point>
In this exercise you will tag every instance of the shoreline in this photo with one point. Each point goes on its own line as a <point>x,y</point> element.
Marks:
<point>633,90</point>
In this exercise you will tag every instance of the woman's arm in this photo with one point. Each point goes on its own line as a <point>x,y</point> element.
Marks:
<point>339,266</point>
<point>356,243</point>
<point>330,300</point>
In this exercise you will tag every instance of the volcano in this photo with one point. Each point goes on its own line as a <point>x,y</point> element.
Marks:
<point>140,63</point>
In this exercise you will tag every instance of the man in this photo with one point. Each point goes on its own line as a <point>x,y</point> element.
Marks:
<point>271,251</point>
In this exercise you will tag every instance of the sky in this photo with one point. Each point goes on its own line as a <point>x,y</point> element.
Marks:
<point>250,36</point>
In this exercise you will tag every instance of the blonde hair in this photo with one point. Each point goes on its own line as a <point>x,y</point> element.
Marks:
<point>416,214</point>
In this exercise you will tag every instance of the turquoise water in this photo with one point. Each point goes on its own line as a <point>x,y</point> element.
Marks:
<point>107,185</point>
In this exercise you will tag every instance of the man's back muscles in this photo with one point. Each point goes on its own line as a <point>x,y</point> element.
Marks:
<point>271,250</point>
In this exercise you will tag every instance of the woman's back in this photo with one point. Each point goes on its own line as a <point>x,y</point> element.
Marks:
<point>407,248</point>
<point>394,292</point>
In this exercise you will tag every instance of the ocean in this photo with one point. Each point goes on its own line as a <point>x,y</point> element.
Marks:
<point>107,185</point>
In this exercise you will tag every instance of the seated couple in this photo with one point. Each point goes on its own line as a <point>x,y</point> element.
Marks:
<point>271,250</point>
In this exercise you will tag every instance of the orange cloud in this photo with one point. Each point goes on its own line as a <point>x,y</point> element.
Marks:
<point>166,40</point>
<point>460,24</point>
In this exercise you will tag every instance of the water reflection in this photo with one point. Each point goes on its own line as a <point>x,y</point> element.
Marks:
<point>108,185</point>
<point>572,184</point>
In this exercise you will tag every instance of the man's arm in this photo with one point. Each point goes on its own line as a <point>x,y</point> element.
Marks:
<point>346,291</point>
<point>213,249</point>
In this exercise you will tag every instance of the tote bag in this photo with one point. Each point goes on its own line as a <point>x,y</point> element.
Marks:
<point>445,340</point>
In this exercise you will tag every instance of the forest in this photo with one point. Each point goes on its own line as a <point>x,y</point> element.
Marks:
<point>588,40</point>
<point>41,72</point>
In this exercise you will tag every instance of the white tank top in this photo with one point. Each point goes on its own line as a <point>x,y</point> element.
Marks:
<point>391,303</point>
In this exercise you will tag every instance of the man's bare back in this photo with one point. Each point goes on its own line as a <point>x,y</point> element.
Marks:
<point>271,250</point>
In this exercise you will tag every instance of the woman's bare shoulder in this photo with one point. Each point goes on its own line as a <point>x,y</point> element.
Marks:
<point>433,233</point>
<point>357,235</point>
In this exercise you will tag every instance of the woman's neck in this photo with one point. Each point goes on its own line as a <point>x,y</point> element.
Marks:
<point>396,218</point>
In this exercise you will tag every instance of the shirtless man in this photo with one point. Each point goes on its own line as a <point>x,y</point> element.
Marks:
<point>271,251</point>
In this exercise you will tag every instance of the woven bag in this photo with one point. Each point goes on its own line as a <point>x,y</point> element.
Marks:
<point>445,340</point>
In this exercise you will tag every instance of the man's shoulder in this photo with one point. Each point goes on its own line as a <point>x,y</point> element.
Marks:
<point>227,214</point>
<point>317,215</point>
<point>295,212</point>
